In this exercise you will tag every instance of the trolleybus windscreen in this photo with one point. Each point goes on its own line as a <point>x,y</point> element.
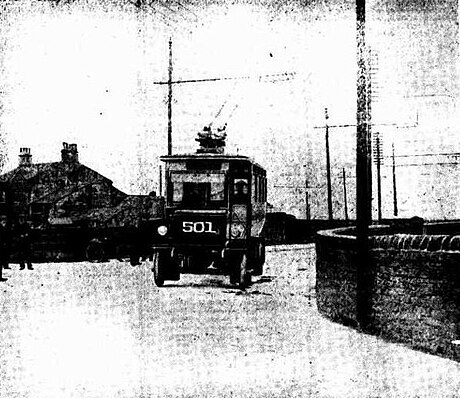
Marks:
<point>198,189</point>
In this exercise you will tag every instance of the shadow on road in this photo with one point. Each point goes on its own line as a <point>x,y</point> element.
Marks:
<point>206,283</point>
<point>214,283</point>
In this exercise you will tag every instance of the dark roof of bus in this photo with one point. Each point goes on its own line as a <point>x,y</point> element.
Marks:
<point>207,156</point>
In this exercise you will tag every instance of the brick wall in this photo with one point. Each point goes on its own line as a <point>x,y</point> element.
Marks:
<point>416,287</point>
<point>336,276</point>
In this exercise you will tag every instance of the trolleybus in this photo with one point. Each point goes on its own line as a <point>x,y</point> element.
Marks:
<point>214,215</point>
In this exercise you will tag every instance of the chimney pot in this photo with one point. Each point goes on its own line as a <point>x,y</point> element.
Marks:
<point>25,158</point>
<point>69,153</point>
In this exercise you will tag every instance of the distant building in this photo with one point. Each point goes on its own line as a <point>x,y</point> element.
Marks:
<point>70,193</point>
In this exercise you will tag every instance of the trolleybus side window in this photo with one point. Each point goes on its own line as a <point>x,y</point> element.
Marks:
<point>258,188</point>
<point>263,189</point>
<point>240,190</point>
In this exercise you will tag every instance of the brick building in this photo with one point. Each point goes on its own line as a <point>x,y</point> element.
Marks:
<point>67,194</point>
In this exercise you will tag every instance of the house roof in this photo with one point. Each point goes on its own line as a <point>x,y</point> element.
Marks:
<point>133,204</point>
<point>43,170</point>
<point>68,178</point>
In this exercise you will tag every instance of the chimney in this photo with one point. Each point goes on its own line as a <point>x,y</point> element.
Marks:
<point>25,158</point>
<point>69,153</point>
<point>73,153</point>
<point>65,152</point>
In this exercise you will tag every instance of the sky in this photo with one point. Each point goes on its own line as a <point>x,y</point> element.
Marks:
<point>84,72</point>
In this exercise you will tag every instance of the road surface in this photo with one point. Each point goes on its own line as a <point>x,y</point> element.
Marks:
<point>105,330</point>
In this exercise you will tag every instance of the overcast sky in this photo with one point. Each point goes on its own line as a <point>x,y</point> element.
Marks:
<point>83,72</point>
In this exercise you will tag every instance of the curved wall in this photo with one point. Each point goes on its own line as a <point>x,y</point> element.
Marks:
<point>415,292</point>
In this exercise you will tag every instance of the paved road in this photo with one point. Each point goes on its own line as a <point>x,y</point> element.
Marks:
<point>105,330</point>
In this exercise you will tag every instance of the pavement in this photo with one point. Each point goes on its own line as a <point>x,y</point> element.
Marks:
<point>105,330</point>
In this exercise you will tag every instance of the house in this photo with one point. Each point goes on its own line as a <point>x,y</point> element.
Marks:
<point>69,205</point>
<point>70,193</point>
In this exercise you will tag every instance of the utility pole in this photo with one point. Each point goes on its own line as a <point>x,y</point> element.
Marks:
<point>328,169</point>
<point>378,160</point>
<point>170,83</point>
<point>395,197</point>
<point>368,83</point>
<point>345,194</point>
<point>307,201</point>
<point>363,281</point>
<point>367,110</point>
<point>368,150</point>
<point>160,180</point>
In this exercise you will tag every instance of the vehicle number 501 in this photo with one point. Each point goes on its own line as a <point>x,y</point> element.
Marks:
<point>198,227</point>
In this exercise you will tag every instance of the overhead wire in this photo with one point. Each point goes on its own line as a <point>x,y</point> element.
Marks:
<point>169,8</point>
<point>287,75</point>
<point>188,10</point>
<point>424,164</point>
<point>425,154</point>
<point>166,18</point>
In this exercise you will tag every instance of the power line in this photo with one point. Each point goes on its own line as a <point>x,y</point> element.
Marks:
<point>426,154</point>
<point>415,124</point>
<point>430,95</point>
<point>425,164</point>
<point>188,10</point>
<point>286,75</point>
<point>163,5</point>
<point>169,8</point>
<point>166,18</point>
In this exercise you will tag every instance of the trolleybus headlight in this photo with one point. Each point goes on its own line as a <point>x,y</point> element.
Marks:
<point>237,231</point>
<point>162,230</point>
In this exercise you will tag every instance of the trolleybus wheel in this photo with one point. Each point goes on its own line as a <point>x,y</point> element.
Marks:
<point>239,274</point>
<point>262,255</point>
<point>245,279</point>
<point>95,252</point>
<point>159,260</point>
<point>233,278</point>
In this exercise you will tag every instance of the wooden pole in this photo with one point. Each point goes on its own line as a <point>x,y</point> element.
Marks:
<point>307,201</point>
<point>395,196</point>
<point>328,171</point>
<point>170,71</point>
<point>362,172</point>
<point>345,194</point>
<point>378,160</point>
<point>160,180</point>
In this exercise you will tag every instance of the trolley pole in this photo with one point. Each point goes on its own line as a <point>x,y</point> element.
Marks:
<point>328,170</point>
<point>345,194</point>
<point>170,83</point>
<point>363,305</point>
<point>395,196</point>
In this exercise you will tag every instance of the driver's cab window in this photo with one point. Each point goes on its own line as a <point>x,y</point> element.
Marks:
<point>240,190</point>
<point>196,194</point>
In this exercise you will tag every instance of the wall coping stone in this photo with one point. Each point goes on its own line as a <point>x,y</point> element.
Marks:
<point>403,242</point>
